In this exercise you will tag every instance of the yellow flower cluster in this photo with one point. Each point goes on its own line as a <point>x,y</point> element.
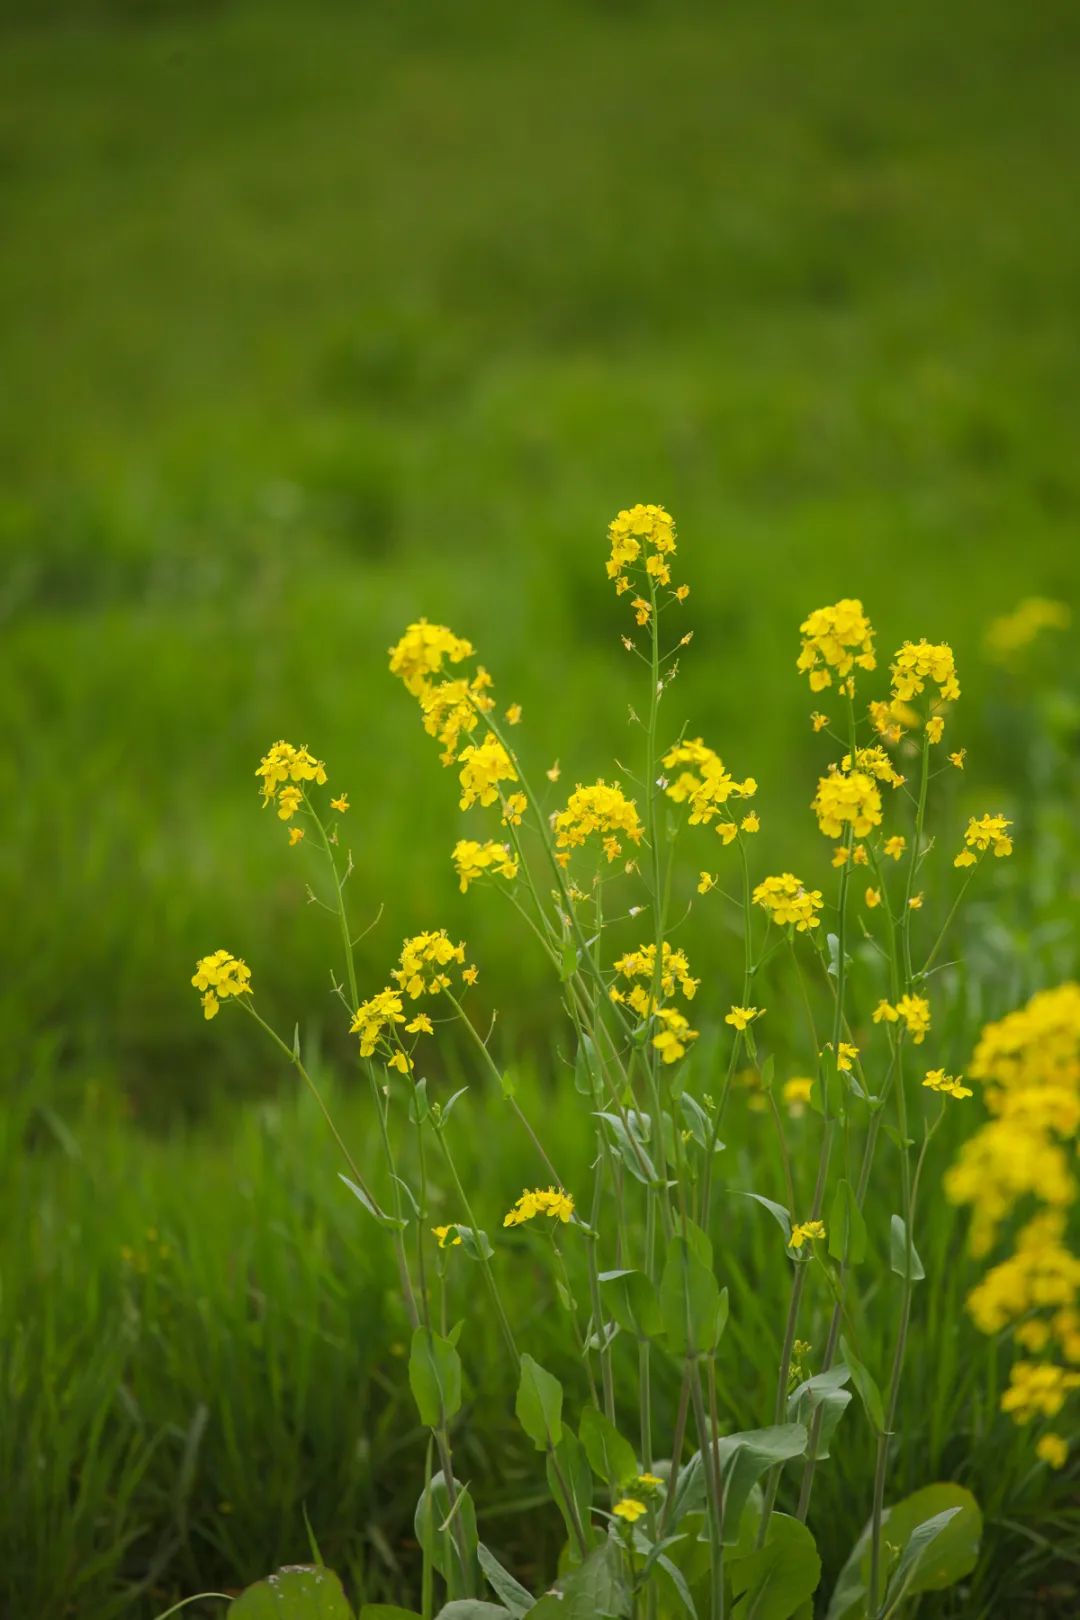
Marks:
<point>375,1016</point>
<point>874,761</point>
<point>836,639</point>
<point>891,720</point>
<point>629,1508</point>
<point>281,770</point>
<point>220,976</point>
<point>1037,1389</point>
<point>642,532</point>
<point>421,652</point>
<point>473,860</point>
<point>541,1201</point>
<point>599,808</point>
<point>787,901</point>
<point>1010,634</point>
<point>1042,1274</point>
<point>423,963</point>
<point>483,766</point>
<point>674,1033</point>
<point>705,783</point>
<point>948,1084</point>
<point>806,1230</point>
<point>983,833</point>
<point>453,707</point>
<point>843,800</point>
<point>922,661</point>
<point>913,1010</point>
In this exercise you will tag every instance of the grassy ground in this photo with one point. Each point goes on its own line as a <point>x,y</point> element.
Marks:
<point>316,323</point>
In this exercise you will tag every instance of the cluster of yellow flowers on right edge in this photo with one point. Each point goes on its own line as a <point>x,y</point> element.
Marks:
<point>219,976</point>
<point>789,902</point>
<point>674,1034</point>
<point>643,538</point>
<point>551,1201</point>
<point>705,784</point>
<point>600,808</point>
<point>835,640</point>
<point>983,833</point>
<point>473,860</point>
<point>1029,1063</point>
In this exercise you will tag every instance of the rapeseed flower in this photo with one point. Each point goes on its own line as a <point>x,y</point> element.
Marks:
<point>423,963</point>
<point>949,1085</point>
<point>703,782</point>
<point>630,1509</point>
<point>219,976</point>
<point>983,833</point>
<point>922,661</point>
<point>599,808</point>
<point>541,1201</point>
<point>474,860</point>
<point>804,1231</point>
<point>847,800</point>
<point>483,767</point>
<point>835,640</point>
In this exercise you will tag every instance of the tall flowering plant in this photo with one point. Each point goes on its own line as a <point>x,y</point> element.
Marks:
<point>681,1517</point>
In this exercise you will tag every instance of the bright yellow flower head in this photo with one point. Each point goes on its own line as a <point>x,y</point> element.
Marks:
<point>421,652</point>
<point>703,781</point>
<point>835,639</point>
<point>741,1017</point>
<point>675,1034</point>
<point>281,769</point>
<point>483,767</point>
<point>597,809</point>
<point>423,963</point>
<point>630,1509</point>
<point>1052,1449</point>
<point>874,761</point>
<point>541,1201</point>
<point>806,1230</point>
<point>446,1240</point>
<point>949,1085</point>
<point>922,661</point>
<point>376,1016</point>
<point>473,860</point>
<point>983,833</point>
<point>915,1011</point>
<point>220,976</point>
<point>847,800</point>
<point>642,537</point>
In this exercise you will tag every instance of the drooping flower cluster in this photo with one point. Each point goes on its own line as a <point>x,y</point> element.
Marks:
<point>282,769</point>
<point>920,661</point>
<point>642,538</point>
<point>983,833</point>
<point>705,784</point>
<point>541,1201</point>
<point>473,860</point>
<point>788,901</point>
<point>651,998</point>
<point>835,640</point>
<point>847,799</point>
<point>219,976</point>
<point>598,808</point>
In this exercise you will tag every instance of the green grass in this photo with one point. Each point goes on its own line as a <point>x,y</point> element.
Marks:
<point>318,323</point>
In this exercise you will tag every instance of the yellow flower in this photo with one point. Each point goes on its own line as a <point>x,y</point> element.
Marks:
<point>727,832</point>
<point>550,1201</point>
<point>421,651</point>
<point>859,855</point>
<point>796,1094</point>
<point>787,901</point>
<point>804,1230</point>
<point>671,1043</point>
<point>650,1482</point>
<point>915,903</point>
<point>965,858</point>
<point>915,1011</point>
<point>750,823</point>
<point>295,834</point>
<point>1052,1449</point>
<point>483,767</point>
<point>220,976</point>
<point>706,881</point>
<point>682,592</point>
<point>513,809</point>
<point>381,1012</point>
<point>470,974</point>
<point>835,639</point>
<point>289,801</point>
<point>473,860</point>
<point>958,758</point>
<point>636,534</point>
<point>629,1509</point>
<point>846,1057</point>
<point>922,661</point>
<point>598,808</point>
<point>819,721</point>
<point>841,855</point>
<point>874,761</point>
<point>513,714</point>
<point>740,1017</point>
<point>895,847</point>
<point>443,1235</point>
<point>984,832</point>
<point>398,1060</point>
<point>642,609</point>
<point>853,800</point>
<point>420,1025</point>
<point>703,781</point>
<point>935,727</point>
<point>885,1010</point>
<point>891,720</point>
<point>340,805</point>
<point>423,963</point>
<point>873,898</point>
<point>948,1084</point>
<point>553,772</point>
<point>281,765</point>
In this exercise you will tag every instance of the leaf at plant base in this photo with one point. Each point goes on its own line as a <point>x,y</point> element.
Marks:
<point>777,1211</point>
<point>898,1251</point>
<point>297,1592</point>
<point>775,1580</point>
<point>472,1609</point>
<point>433,1511</point>
<point>539,1404</point>
<point>824,1394</point>
<point>690,1303</point>
<point>611,1456</point>
<point>847,1229</point>
<point>867,1389</point>
<point>434,1377</point>
<point>952,1554</point>
<point>631,1299</point>
<point>573,1475</point>
<point>516,1598</point>
<point>390,1223</point>
<point>596,1590</point>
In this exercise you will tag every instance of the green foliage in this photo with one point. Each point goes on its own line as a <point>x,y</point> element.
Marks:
<point>434,1377</point>
<point>936,1532</point>
<point>776,1579</point>
<point>610,1456</point>
<point>297,1593</point>
<point>539,1404</point>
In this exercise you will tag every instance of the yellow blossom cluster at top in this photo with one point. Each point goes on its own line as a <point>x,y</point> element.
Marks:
<point>705,784</point>
<point>474,860</point>
<point>599,808</point>
<point>983,833</point>
<point>806,1231</point>
<point>421,970</point>
<point>423,650</point>
<point>851,799</point>
<point>874,761</point>
<point>912,1011</point>
<point>920,661</point>
<point>788,901</point>
<point>651,998</point>
<point>643,539</point>
<point>835,640</point>
<point>424,961</point>
<point>1012,632</point>
<point>219,976</point>
<point>282,769</point>
<point>376,1022</point>
<point>541,1201</point>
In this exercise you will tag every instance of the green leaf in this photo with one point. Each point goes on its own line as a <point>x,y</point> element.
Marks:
<point>743,1459</point>
<point>631,1147</point>
<point>539,1404</point>
<point>472,1609</point>
<point>611,1456</point>
<point>419,1108</point>
<point>433,1510</point>
<point>631,1299</point>
<point>898,1252</point>
<point>697,1120</point>
<point>690,1303</point>
<point>825,1393</point>
<point>297,1592</point>
<point>588,1079</point>
<point>389,1223</point>
<point>475,1242</point>
<point>596,1588</point>
<point>576,1476</point>
<point>777,1211</point>
<point>917,1556</point>
<point>950,1555</point>
<point>865,1385</point>
<point>518,1601</point>
<point>568,960</point>
<point>847,1229</point>
<point>775,1580</point>
<point>434,1377</point>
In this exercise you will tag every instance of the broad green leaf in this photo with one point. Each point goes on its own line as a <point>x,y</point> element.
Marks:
<point>631,1299</point>
<point>823,1394</point>
<point>744,1458</point>
<point>390,1223</point>
<point>475,1242</point>
<point>597,1588</point>
<point>777,1211</point>
<point>611,1456</point>
<point>539,1404</point>
<point>690,1303</point>
<point>950,1556</point>
<point>864,1383</point>
<point>434,1377</point>
<point>898,1252</point>
<point>847,1229</point>
<point>775,1580</point>
<point>433,1510</point>
<point>297,1592</point>
<point>917,1555</point>
<point>697,1120</point>
<point>631,1147</point>
<point>502,1583</point>
<point>573,1477</point>
<point>472,1609</point>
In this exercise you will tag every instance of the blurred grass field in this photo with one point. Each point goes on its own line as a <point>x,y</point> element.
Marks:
<point>316,320</point>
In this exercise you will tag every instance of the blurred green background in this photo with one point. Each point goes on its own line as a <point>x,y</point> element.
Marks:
<point>321,318</point>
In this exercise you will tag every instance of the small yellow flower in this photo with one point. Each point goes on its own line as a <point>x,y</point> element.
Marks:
<point>750,823</point>
<point>642,609</point>
<point>550,1201</point>
<point>340,805</point>
<point>399,1061</point>
<point>895,847</point>
<point>220,976</point>
<point>650,1482</point>
<point>553,772</point>
<point>935,726</point>
<point>886,1010</point>
<point>846,1057</point>
<point>740,1017</point>
<point>873,898</point>
<point>682,592</point>
<point>786,901</point>
<point>1052,1449</point>
<point>859,855</point>
<point>841,855</point>
<point>295,835</point>
<point>948,1084</point>
<point>796,1094</point>
<point>470,974</point>
<point>513,714</point>
<point>966,857</point>
<point>819,721</point>
<point>727,831</point>
<point>629,1509</point>
<point>420,1025</point>
<point>443,1235</point>
<point>804,1230</point>
<point>706,881</point>
<point>958,758</point>
<point>915,903</point>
